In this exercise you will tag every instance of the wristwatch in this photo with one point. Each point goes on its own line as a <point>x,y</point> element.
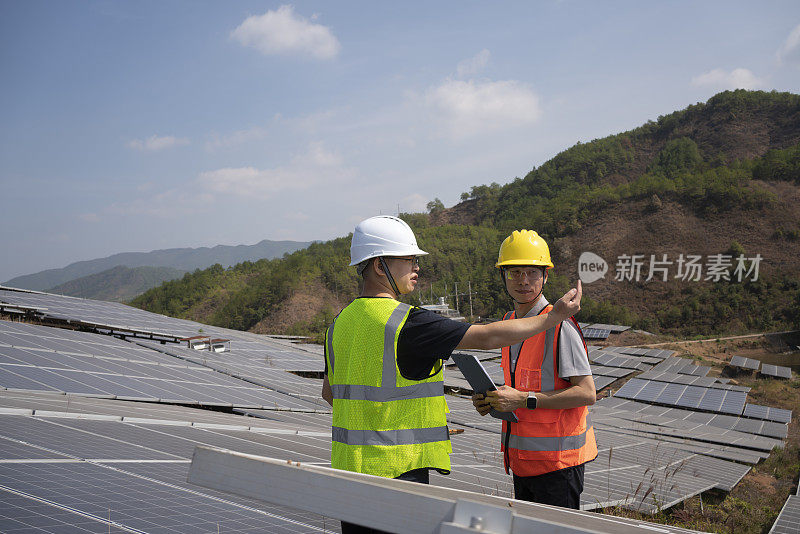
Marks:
<point>531,402</point>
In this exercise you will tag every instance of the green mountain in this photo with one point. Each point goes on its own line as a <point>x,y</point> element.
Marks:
<point>118,284</point>
<point>717,178</point>
<point>182,259</point>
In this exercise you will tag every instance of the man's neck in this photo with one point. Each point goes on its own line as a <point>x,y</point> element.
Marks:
<point>521,309</point>
<point>372,289</point>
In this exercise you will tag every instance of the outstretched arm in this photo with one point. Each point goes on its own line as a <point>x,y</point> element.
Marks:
<point>507,333</point>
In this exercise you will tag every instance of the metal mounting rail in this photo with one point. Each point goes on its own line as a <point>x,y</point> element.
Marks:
<point>394,505</point>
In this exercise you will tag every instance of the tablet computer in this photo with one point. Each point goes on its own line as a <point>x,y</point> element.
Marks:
<point>479,380</point>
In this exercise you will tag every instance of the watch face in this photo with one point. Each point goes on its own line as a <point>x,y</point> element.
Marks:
<point>531,402</point>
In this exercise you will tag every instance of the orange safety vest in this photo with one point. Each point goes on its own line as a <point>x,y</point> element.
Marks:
<point>544,439</point>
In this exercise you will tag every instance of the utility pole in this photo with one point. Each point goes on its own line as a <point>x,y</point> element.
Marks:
<point>469,285</point>
<point>456,292</point>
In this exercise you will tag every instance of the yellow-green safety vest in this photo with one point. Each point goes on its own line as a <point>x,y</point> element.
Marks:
<point>383,424</point>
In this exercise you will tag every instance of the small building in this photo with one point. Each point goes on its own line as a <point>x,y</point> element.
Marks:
<point>443,309</point>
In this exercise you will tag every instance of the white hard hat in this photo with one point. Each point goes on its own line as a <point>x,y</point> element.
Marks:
<point>383,235</point>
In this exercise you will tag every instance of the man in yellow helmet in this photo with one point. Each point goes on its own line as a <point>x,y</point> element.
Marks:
<point>383,361</point>
<point>548,385</point>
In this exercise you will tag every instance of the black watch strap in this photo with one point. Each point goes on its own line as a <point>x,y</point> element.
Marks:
<point>531,402</point>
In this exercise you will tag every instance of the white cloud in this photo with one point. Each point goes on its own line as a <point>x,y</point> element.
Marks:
<point>234,139</point>
<point>735,79</point>
<point>283,32</point>
<point>89,217</point>
<point>470,107</point>
<point>789,52</point>
<point>155,143</point>
<point>317,166</point>
<point>473,65</point>
<point>413,203</point>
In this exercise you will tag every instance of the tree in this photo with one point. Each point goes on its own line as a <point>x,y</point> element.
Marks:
<point>435,206</point>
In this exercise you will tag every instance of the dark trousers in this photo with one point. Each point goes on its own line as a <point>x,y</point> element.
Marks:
<point>417,475</point>
<point>559,488</point>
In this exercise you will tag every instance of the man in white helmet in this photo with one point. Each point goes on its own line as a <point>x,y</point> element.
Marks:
<point>383,361</point>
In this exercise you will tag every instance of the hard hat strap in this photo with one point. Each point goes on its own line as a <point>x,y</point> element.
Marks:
<point>389,276</point>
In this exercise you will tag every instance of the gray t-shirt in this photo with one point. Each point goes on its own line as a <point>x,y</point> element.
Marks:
<point>572,357</point>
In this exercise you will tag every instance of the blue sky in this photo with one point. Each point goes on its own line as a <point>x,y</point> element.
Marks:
<point>142,125</point>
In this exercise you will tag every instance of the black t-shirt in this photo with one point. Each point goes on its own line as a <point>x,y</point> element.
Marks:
<point>424,339</point>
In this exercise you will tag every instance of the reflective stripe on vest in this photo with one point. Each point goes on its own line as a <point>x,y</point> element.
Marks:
<point>548,377</point>
<point>390,437</point>
<point>387,393</point>
<point>553,443</point>
<point>329,344</point>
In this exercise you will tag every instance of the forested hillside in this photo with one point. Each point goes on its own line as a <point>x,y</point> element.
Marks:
<point>721,177</point>
<point>119,283</point>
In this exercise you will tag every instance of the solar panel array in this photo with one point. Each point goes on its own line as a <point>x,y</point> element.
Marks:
<point>130,459</point>
<point>79,475</point>
<point>776,371</point>
<point>111,315</point>
<point>52,359</point>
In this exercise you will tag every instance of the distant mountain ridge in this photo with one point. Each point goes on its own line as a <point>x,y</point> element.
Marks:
<point>119,284</point>
<point>183,259</point>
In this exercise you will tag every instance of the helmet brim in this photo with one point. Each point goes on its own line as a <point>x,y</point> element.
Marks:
<point>522,263</point>
<point>411,251</point>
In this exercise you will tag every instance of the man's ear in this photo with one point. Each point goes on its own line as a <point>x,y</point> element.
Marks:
<point>545,277</point>
<point>376,265</point>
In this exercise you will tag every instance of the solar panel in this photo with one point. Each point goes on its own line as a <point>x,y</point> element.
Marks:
<point>718,421</point>
<point>596,333</point>
<point>731,402</point>
<point>788,521</point>
<point>604,370</point>
<point>615,328</point>
<point>601,382</point>
<point>776,371</point>
<point>745,363</point>
<point>616,360</point>
<point>768,413</point>
<point>675,378</point>
<point>658,354</point>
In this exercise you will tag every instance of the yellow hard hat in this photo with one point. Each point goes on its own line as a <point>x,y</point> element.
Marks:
<point>524,247</point>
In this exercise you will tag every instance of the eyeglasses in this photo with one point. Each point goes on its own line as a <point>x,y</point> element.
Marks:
<point>413,259</point>
<point>533,273</point>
